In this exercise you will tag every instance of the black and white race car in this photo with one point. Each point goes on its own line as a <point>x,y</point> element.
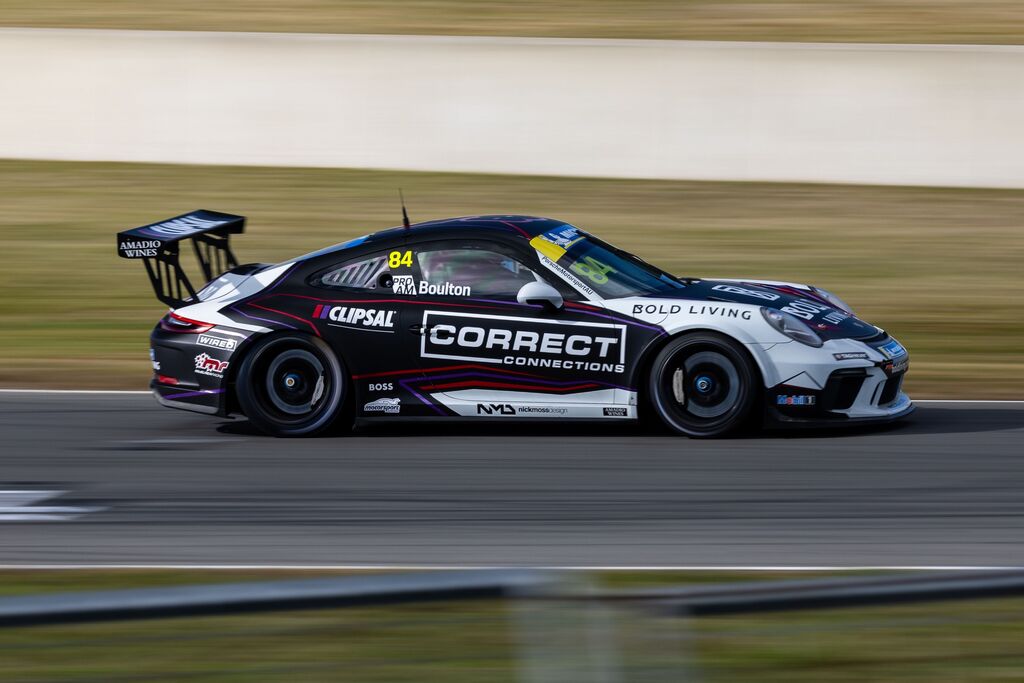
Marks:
<point>499,317</point>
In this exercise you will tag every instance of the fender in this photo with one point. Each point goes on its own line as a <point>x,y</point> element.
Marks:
<point>742,323</point>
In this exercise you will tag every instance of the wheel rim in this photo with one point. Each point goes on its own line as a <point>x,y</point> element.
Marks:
<point>704,386</point>
<point>295,383</point>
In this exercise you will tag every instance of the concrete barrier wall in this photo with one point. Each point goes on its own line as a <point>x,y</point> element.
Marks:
<point>931,115</point>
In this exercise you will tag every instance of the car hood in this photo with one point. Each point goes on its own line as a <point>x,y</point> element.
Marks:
<point>800,300</point>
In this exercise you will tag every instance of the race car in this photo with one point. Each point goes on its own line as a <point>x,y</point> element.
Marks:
<point>499,318</point>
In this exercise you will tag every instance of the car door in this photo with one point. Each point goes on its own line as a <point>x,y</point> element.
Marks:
<point>484,354</point>
<point>365,314</point>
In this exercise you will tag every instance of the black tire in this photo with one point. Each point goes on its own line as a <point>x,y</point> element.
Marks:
<point>278,385</point>
<point>703,385</point>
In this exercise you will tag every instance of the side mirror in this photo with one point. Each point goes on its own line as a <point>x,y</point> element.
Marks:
<point>537,292</point>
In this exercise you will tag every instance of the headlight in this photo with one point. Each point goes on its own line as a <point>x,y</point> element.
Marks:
<point>791,326</point>
<point>834,300</point>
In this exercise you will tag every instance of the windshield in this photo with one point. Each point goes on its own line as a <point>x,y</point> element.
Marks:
<point>609,271</point>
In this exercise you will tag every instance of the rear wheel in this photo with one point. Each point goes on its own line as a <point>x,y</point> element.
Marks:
<point>703,385</point>
<point>291,385</point>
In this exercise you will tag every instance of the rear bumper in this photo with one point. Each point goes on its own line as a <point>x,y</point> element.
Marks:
<point>206,401</point>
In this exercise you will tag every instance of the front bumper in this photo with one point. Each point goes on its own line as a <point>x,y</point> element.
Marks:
<point>845,382</point>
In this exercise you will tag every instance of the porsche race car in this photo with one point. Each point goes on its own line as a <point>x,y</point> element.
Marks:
<point>499,318</point>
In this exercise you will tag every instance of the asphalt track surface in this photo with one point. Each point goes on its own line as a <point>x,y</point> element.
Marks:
<point>946,488</point>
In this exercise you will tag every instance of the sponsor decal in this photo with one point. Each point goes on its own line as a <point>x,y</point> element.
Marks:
<point>743,291</point>
<point>835,317</point>
<point>563,236</point>
<point>554,243</point>
<point>672,309</point>
<point>153,360</point>
<point>850,355</point>
<point>892,349</point>
<point>616,412</point>
<point>205,365</point>
<point>186,225</point>
<point>720,311</point>
<point>381,386</point>
<point>657,309</point>
<point>403,284</point>
<point>354,317</point>
<point>508,409</point>
<point>140,248</point>
<point>806,309</point>
<point>541,410</point>
<point>494,409</point>
<point>524,342</point>
<point>390,406</point>
<point>217,342</point>
<point>894,367</point>
<point>579,284</point>
<point>444,289</point>
<point>783,400</point>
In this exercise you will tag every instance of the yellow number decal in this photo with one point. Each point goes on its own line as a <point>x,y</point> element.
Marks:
<point>593,270</point>
<point>397,259</point>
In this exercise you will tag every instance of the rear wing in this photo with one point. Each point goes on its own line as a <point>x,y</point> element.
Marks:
<point>157,245</point>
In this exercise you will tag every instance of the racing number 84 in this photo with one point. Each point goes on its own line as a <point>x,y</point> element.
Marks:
<point>397,259</point>
<point>592,269</point>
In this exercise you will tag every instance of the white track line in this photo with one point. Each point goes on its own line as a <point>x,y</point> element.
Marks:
<point>954,400</point>
<point>439,567</point>
<point>74,391</point>
<point>148,393</point>
<point>20,506</point>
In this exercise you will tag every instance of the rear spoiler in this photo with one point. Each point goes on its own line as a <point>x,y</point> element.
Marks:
<point>157,245</point>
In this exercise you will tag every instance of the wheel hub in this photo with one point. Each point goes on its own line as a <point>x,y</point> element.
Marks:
<point>295,382</point>
<point>704,384</point>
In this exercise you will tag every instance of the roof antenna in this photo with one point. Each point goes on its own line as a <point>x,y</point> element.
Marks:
<point>405,214</point>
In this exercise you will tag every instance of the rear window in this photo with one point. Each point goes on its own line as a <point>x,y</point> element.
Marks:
<point>361,274</point>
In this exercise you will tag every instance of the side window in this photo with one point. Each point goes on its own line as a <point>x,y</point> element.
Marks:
<point>362,274</point>
<point>471,272</point>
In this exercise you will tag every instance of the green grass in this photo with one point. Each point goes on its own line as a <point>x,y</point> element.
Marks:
<point>912,21</point>
<point>939,268</point>
<point>493,641</point>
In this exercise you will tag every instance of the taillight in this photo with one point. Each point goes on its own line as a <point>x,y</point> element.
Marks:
<point>164,379</point>
<point>172,322</point>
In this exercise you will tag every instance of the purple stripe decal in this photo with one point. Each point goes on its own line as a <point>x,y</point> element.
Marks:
<point>506,303</point>
<point>280,279</point>
<point>190,394</point>
<point>525,380</point>
<point>421,397</point>
<point>266,320</point>
<point>623,321</point>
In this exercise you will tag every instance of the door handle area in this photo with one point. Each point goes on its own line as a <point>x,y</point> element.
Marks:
<point>419,329</point>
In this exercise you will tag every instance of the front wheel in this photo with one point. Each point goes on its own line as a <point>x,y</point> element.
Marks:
<point>703,385</point>
<point>291,385</point>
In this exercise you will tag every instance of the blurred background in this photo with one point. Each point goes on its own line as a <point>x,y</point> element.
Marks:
<point>888,173</point>
<point>873,148</point>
